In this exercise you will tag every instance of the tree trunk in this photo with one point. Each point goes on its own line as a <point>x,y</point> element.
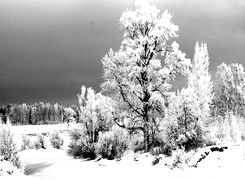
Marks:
<point>146,139</point>
<point>185,119</point>
<point>146,120</point>
<point>146,131</point>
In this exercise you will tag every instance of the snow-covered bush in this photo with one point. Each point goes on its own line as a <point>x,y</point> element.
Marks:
<point>135,141</point>
<point>81,145</point>
<point>40,142</point>
<point>181,158</point>
<point>183,129</point>
<point>230,128</point>
<point>69,116</point>
<point>224,129</point>
<point>95,112</point>
<point>6,168</point>
<point>161,146</point>
<point>208,136</point>
<point>75,148</point>
<point>9,154</point>
<point>112,144</point>
<point>188,140</point>
<point>95,116</point>
<point>26,143</point>
<point>56,140</point>
<point>236,128</point>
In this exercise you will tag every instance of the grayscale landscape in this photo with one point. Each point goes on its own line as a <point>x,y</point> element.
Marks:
<point>122,89</point>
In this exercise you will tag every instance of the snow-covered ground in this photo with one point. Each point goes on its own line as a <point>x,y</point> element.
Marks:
<point>55,164</point>
<point>51,164</point>
<point>35,129</point>
<point>231,160</point>
<point>18,131</point>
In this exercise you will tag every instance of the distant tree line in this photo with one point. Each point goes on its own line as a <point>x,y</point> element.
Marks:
<point>35,114</point>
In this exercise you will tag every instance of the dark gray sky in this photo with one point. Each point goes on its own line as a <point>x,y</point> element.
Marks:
<point>50,48</point>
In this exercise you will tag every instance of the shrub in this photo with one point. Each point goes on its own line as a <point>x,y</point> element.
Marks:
<point>193,139</point>
<point>163,149</point>
<point>177,137</point>
<point>56,140</point>
<point>218,130</point>
<point>230,128</point>
<point>159,146</point>
<point>208,138</point>
<point>112,144</point>
<point>81,145</point>
<point>235,128</point>
<point>26,143</point>
<point>156,160</point>
<point>181,158</point>
<point>136,141</point>
<point>6,167</point>
<point>8,148</point>
<point>139,147</point>
<point>45,133</point>
<point>40,142</point>
<point>74,148</point>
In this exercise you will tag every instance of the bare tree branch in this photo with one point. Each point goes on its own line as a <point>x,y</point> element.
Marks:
<point>126,100</point>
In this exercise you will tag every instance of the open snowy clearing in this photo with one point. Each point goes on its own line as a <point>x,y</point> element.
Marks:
<point>51,164</point>
<point>18,131</point>
<point>55,164</point>
<point>35,129</point>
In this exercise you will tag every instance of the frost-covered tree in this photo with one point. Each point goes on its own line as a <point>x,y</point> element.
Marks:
<point>139,73</point>
<point>199,81</point>
<point>183,128</point>
<point>69,116</point>
<point>95,112</point>
<point>189,108</point>
<point>230,89</point>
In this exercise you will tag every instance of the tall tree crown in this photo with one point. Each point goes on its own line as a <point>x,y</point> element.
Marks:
<point>146,37</point>
<point>200,79</point>
<point>139,73</point>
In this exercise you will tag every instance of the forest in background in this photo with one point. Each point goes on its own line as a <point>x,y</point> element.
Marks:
<point>36,114</point>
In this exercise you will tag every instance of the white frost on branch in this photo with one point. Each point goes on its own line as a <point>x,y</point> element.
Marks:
<point>199,80</point>
<point>139,74</point>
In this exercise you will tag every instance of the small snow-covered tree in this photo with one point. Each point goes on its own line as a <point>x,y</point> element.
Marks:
<point>199,80</point>
<point>183,128</point>
<point>189,108</point>
<point>95,112</point>
<point>138,75</point>
<point>230,89</point>
<point>69,116</point>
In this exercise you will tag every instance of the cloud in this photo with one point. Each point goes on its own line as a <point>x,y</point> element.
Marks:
<point>49,49</point>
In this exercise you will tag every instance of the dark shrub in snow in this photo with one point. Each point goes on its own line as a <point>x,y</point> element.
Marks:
<point>112,144</point>
<point>81,145</point>
<point>56,140</point>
